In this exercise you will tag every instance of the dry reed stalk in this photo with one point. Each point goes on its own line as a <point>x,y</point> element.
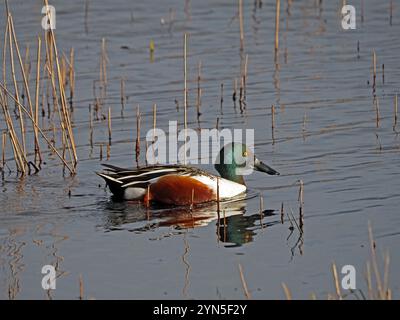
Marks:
<point>64,71</point>
<point>241,95</point>
<point>287,292</point>
<point>273,124</point>
<point>67,131</point>
<point>377,111</point>
<point>336,281</point>
<point>90,127</point>
<point>109,125</point>
<point>66,116</point>
<point>27,63</point>
<point>386,290</point>
<point>66,119</point>
<point>301,205</point>
<point>3,149</point>
<point>48,72</point>
<point>225,225</point>
<point>222,95</point>
<point>64,131</point>
<point>383,73</point>
<point>369,282</point>
<point>362,11</point>
<point>154,121</point>
<point>108,151</point>
<point>147,149</point>
<point>273,117</point>
<point>122,96</point>
<point>234,95</point>
<point>154,132</point>
<point>241,25</point>
<point>282,213</point>
<point>24,76</point>
<point>244,284</point>
<point>20,161</point>
<point>5,52</point>
<point>395,112</point>
<point>218,200</point>
<point>391,12</point>
<point>137,147</point>
<point>101,152</point>
<point>25,79</point>
<point>244,75</point>
<point>71,76</point>
<point>21,118</point>
<point>38,128</point>
<point>38,156</point>
<point>375,268</point>
<point>277,18</point>
<point>80,287</point>
<point>261,210</point>
<point>27,69</point>
<point>103,70</point>
<point>198,103</point>
<point>185,92</point>
<point>63,142</point>
<point>374,71</point>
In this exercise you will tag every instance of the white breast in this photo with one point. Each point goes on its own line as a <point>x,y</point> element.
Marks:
<point>134,193</point>
<point>227,188</point>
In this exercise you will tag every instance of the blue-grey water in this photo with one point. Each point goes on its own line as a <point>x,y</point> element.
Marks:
<point>325,134</point>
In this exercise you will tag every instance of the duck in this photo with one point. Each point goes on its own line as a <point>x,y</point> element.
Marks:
<point>182,185</point>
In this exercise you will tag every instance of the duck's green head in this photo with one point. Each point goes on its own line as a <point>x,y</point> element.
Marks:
<point>236,160</point>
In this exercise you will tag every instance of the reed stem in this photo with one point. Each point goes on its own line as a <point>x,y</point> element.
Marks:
<point>137,147</point>
<point>71,78</point>
<point>301,205</point>
<point>198,104</point>
<point>40,130</point>
<point>374,71</point>
<point>277,18</point>
<point>109,125</point>
<point>287,292</point>
<point>38,156</point>
<point>3,149</point>
<point>395,112</point>
<point>185,90</point>
<point>241,29</point>
<point>336,281</point>
<point>244,284</point>
<point>122,96</point>
<point>21,117</point>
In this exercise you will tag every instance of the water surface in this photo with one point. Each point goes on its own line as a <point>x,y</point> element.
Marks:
<point>325,134</point>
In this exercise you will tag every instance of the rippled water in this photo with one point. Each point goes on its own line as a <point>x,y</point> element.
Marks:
<point>325,134</point>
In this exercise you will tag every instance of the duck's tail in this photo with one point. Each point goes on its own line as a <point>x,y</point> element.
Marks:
<point>114,185</point>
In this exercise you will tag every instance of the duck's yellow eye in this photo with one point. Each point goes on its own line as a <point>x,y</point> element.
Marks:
<point>245,154</point>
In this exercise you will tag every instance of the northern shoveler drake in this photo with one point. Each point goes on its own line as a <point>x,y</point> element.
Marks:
<point>185,185</point>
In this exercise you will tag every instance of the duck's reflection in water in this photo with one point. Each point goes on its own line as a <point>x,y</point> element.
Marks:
<point>234,225</point>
